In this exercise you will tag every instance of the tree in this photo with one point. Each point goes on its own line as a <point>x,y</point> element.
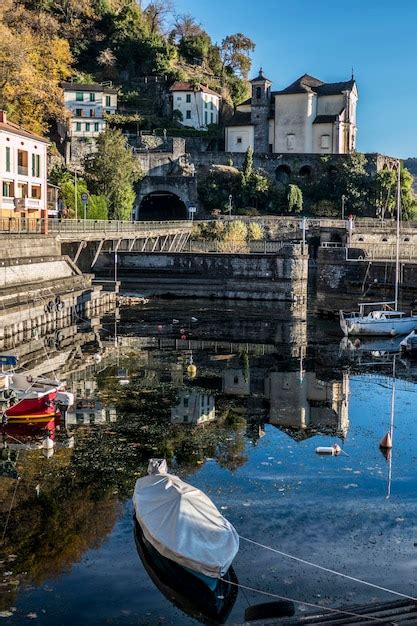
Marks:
<point>386,192</point>
<point>294,199</point>
<point>97,208</point>
<point>235,54</point>
<point>248,164</point>
<point>112,172</point>
<point>32,65</point>
<point>156,13</point>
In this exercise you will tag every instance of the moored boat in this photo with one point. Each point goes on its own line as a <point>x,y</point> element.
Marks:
<point>377,322</point>
<point>184,525</point>
<point>185,590</point>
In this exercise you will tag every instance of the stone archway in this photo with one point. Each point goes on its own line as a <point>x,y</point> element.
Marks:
<point>162,205</point>
<point>283,174</point>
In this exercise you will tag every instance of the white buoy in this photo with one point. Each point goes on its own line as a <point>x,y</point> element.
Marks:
<point>47,443</point>
<point>333,450</point>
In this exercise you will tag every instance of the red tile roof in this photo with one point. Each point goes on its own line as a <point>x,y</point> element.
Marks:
<point>11,127</point>
<point>181,85</point>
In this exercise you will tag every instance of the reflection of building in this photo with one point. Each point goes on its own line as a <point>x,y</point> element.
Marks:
<point>90,412</point>
<point>235,382</point>
<point>87,409</point>
<point>193,408</point>
<point>299,400</point>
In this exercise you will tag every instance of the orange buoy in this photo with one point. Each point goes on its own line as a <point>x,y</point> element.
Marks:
<point>386,441</point>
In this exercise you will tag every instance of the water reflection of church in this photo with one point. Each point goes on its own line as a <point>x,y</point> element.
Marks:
<point>298,401</point>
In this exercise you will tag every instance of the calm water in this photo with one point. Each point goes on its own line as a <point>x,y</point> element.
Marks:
<point>268,389</point>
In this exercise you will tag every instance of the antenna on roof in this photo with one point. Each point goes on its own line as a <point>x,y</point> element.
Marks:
<point>353,78</point>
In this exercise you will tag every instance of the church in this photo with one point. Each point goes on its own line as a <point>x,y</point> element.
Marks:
<point>307,117</point>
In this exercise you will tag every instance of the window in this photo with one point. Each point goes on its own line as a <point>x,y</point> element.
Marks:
<point>36,192</point>
<point>92,112</point>
<point>78,112</point>
<point>36,165</point>
<point>212,105</point>
<point>8,161</point>
<point>205,104</point>
<point>79,96</point>
<point>179,98</point>
<point>188,97</point>
<point>22,163</point>
<point>205,118</point>
<point>236,380</point>
<point>188,115</point>
<point>92,97</point>
<point>258,93</point>
<point>238,139</point>
<point>325,141</point>
<point>96,127</point>
<point>8,189</point>
<point>290,142</point>
<point>185,402</point>
<point>185,418</point>
<point>78,126</point>
<point>108,101</point>
<point>87,127</point>
<point>211,118</point>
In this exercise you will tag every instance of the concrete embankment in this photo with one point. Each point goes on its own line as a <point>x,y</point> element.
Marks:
<point>42,292</point>
<point>343,282</point>
<point>279,276</point>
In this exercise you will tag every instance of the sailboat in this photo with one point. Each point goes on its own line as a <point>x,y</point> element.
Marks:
<point>384,318</point>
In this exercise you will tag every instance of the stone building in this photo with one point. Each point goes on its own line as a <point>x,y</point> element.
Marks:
<point>307,117</point>
<point>198,105</point>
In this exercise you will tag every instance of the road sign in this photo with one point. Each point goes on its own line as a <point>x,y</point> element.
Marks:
<point>192,209</point>
<point>84,198</point>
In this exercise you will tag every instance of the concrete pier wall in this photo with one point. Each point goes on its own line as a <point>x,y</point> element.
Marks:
<point>342,283</point>
<point>279,276</point>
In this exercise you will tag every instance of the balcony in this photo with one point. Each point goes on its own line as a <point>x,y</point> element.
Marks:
<point>22,170</point>
<point>26,203</point>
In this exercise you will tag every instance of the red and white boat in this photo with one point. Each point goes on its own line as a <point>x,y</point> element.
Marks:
<point>32,400</point>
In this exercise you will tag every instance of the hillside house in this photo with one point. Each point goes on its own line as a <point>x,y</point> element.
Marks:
<point>199,106</point>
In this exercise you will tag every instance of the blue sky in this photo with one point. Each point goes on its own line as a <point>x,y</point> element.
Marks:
<point>325,39</point>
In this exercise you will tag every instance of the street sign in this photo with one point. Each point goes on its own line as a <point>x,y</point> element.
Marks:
<point>192,209</point>
<point>84,198</point>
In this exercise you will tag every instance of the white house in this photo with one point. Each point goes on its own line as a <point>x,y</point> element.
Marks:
<point>308,116</point>
<point>88,103</point>
<point>199,106</point>
<point>23,171</point>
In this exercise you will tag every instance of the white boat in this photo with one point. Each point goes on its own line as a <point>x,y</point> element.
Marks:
<point>183,524</point>
<point>385,320</point>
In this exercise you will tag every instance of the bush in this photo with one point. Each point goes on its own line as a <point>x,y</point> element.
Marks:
<point>294,199</point>
<point>255,232</point>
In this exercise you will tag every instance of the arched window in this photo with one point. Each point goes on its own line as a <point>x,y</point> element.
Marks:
<point>258,93</point>
<point>290,141</point>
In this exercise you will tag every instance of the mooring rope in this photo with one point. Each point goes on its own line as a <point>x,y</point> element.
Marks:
<point>310,604</point>
<point>10,510</point>
<point>328,570</point>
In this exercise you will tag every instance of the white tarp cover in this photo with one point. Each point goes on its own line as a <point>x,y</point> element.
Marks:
<point>184,525</point>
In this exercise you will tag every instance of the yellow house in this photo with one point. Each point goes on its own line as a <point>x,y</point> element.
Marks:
<point>23,171</point>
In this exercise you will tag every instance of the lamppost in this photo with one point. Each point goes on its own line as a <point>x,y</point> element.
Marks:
<point>230,205</point>
<point>344,198</point>
<point>75,195</point>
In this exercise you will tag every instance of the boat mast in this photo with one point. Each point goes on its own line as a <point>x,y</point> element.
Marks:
<point>391,428</point>
<point>397,253</point>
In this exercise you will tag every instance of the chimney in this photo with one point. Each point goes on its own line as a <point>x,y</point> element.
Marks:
<point>3,116</point>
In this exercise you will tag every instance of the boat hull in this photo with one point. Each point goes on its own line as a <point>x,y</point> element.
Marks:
<point>32,405</point>
<point>185,590</point>
<point>375,327</point>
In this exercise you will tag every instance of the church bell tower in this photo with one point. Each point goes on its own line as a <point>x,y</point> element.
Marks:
<point>260,110</point>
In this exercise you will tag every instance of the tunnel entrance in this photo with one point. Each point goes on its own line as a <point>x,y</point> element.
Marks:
<point>162,205</point>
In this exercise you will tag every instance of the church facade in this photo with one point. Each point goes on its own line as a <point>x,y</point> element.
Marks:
<point>307,117</point>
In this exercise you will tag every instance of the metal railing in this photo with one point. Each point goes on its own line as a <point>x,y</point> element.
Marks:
<point>56,226</point>
<point>22,225</point>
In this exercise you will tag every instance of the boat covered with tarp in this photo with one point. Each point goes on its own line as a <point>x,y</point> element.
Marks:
<point>183,524</point>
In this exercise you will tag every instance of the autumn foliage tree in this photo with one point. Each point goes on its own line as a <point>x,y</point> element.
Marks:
<point>33,61</point>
